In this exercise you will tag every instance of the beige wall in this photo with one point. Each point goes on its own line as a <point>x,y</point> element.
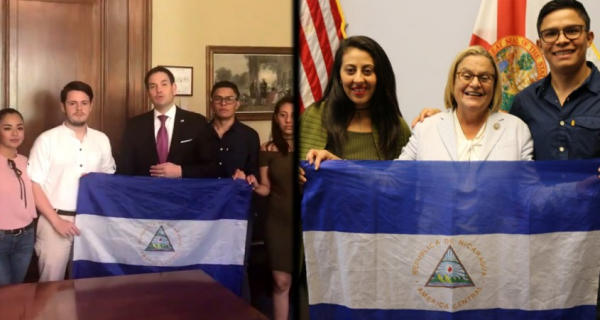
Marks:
<point>181,30</point>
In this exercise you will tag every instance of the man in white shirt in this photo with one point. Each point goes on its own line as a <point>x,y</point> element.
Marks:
<point>59,157</point>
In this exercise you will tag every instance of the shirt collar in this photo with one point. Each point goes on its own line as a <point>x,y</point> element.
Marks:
<point>170,114</point>
<point>592,82</point>
<point>70,131</point>
<point>3,159</point>
<point>234,127</point>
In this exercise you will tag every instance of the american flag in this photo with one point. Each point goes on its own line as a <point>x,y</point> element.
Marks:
<point>321,29</point>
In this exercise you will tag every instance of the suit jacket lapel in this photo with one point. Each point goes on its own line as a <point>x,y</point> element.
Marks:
<point>446,131</point>
<point>493,131</point>
<point>175,139</point>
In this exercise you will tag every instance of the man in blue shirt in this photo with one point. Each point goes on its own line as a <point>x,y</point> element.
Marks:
<point>563,109</point>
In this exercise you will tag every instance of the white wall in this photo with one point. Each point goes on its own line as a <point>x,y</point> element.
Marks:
<point>421,38</point>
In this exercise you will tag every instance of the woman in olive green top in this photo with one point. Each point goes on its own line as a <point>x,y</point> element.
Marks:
<point>358,117</point>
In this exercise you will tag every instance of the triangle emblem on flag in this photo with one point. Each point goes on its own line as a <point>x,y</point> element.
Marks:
<point>160,241</point>
<point>450,272</point>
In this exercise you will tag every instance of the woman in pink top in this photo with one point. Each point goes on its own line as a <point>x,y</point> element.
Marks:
<point>17,209</point>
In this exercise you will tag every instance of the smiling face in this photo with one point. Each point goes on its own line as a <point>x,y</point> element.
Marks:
<point>564,55</point>
<point>474,95</point>
<point>358,76</point>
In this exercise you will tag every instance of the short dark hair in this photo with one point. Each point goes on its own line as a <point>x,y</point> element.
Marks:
<point>556,5</point>
<point>76,86</point>
<point>7,111</point>
<point>225,84</point>
<point>157,70</point>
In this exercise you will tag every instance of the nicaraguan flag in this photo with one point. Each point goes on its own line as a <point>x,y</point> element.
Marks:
<point>135,225</point>
<point>452,240</point>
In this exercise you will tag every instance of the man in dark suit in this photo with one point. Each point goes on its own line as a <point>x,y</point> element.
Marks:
<point>168,141</point>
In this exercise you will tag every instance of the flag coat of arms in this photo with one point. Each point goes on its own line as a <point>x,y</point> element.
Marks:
<point>132,225</point>
<point>508,30</point>
<point>452,240</point>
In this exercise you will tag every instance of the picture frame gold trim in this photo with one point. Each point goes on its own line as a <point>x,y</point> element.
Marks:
<point>270,67</point>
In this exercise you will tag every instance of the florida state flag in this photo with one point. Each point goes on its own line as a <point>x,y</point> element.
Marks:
<point>507,28</point>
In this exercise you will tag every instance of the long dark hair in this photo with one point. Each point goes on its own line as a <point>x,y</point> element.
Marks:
<point>385,111</point>
<point>276,133</point>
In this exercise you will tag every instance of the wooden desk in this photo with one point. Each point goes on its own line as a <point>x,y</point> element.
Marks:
<point>162,296</point>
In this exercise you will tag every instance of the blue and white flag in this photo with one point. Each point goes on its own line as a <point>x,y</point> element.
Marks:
<point>452,240</point>
<point>133,225</point>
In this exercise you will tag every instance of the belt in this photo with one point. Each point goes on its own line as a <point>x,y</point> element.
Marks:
<point>66,213</point>
<point>16,232</point>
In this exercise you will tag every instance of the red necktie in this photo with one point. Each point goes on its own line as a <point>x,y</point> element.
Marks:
<point>162,140</point>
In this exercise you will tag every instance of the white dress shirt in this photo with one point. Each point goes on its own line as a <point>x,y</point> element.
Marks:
<point>468,150</point>
<point>168,123</point>
<point>58,159</point>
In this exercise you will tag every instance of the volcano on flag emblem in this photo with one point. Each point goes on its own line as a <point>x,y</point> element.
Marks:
<point>450,272</point>
<point>160,241</point>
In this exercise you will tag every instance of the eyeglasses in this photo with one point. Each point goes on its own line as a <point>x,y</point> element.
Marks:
<point>570,32</point>
<point>484,78</point>
<point>18,173</point>
<point>228,100</point>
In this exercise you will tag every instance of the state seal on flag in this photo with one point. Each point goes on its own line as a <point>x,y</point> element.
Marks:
<point>450,273</point>
<point>520,63</point>
<point>159,241</point>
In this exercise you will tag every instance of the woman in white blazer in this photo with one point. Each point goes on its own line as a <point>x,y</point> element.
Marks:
<point>471,129</point>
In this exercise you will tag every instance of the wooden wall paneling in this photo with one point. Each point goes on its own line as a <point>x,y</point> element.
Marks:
<point>11,56</point>
<point>114,75</point>
<point>45,44</point>
<point>3,54</point>
<point>140,57</point>
<point>57,42</point>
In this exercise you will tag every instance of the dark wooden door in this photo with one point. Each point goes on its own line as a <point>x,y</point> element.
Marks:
<point>44,44</point>
<point>47,43</point>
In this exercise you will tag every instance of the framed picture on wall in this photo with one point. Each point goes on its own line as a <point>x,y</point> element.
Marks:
<point>262,74</point>
<point>183,79</point>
